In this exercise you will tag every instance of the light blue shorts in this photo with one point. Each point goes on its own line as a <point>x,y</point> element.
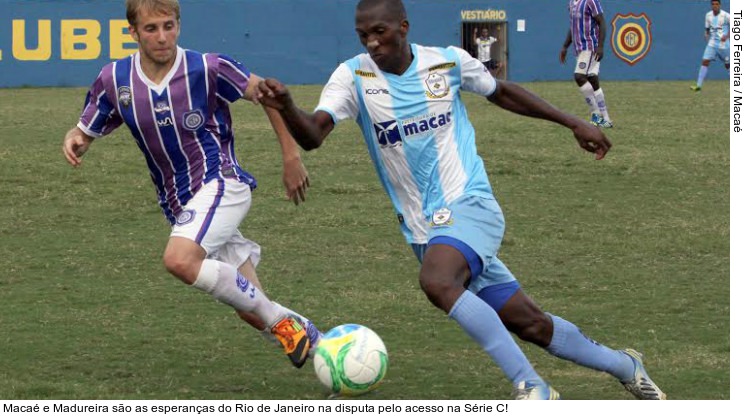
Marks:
<point>712,54</point>
<point>473,225</point>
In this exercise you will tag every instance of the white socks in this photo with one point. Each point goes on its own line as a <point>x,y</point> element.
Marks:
<point>599,95</point>
<point>588,91</point>
<point>228,286</point>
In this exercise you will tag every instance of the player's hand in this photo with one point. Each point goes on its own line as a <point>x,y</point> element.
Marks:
<point>592,139</point>
<point>273,93</point>
<point>562,55</point>
<point>76,143</point>
<point>599,53</point>
<point>296,180</point>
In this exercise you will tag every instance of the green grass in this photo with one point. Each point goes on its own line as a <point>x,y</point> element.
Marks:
<point>634,249</point>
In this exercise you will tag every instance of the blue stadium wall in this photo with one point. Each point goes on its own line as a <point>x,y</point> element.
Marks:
<point>65,42</point>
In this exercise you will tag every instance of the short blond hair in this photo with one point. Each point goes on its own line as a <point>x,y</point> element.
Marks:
<point>160,6</point>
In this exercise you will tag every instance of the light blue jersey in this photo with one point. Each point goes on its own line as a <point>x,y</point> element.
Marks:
<point>717,26</point>
<point>416,128</point>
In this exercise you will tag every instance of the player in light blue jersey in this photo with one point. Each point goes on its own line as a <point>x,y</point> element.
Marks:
<point>587,33</point>
<point>717,31</point>
<point>406,98</point>
<point>175,103</point>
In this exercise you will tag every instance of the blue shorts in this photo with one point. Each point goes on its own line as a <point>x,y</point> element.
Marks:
<point>474,225</point>
<point>711,54</point>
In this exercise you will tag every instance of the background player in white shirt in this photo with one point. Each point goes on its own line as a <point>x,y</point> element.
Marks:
<point>717,31</point>
<point>175,103</point>
<point>406,100</point>
<point>483,43</point>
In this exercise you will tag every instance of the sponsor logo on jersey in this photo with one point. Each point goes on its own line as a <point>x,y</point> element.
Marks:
<point>368,74</point>
<point>376,91</point>
<point>631,37</point>
<point>125,96</point>
<point>422,125</point>
<point>193,120</point>
<point>162,107</point>
<point>443,66</point>
<point>388,134</point>
<point>436,86</point>
<point>167,121</point>
<point>442,217</point>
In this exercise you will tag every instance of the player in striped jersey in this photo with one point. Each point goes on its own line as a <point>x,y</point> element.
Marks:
<point>406,100</point>
<point>717,31</point>
<point>587,32</point>
<point>175,103</point>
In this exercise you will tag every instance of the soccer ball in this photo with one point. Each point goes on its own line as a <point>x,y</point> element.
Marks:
<point>350,360</point>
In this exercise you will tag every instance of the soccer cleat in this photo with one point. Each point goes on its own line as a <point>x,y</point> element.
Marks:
<point>293,336</point>
<point>695,88</point>
<point>642,387</point>
<point>604,123</point>
<point>596,119</point>
<point>535,391</point>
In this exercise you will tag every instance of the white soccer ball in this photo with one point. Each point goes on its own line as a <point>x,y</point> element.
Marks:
<point>350,360</point>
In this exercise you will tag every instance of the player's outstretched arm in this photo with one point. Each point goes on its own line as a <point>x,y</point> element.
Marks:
<point>514,98</point>
<point>294,177</point>
<point>75,144</point>
<point>308,130</point>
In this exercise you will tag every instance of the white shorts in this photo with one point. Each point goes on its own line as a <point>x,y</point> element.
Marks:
<point>211,219</point>
<point>586,63</point>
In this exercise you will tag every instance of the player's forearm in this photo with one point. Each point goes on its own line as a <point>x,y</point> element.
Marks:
<point>286,141</point>
<point>302,127</point>
<point>567,42</point>
<point>602,30</point>
<point>516,99</point>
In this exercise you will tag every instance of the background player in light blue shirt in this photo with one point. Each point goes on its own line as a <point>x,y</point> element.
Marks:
<point>717,31</point>
<point>406,100</point>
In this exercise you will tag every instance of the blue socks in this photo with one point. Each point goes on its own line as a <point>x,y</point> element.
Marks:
<point>484,326</point>
<point>569,343</point>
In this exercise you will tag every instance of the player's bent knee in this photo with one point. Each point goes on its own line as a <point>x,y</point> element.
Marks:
<point>537,330</point>
<point>183,268</point>
<point>438,289</point>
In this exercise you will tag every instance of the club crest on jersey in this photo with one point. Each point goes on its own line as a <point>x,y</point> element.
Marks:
<point>125,96</point>
<point>186,217</point>
<point>442,217</point>
<point>436,86</point>
<point>193,120</point>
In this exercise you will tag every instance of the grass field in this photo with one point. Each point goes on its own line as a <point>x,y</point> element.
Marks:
<point>634,249</point>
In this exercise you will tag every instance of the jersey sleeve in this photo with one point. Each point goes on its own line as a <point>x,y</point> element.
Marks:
<point>232,78</point>
<point>474,75</point>
<point>99,116</point>
<point>595,7</point>
<point>339,98</point>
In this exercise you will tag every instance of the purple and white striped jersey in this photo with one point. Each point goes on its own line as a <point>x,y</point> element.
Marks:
<point>584,29</point>
<point>182,126</point>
